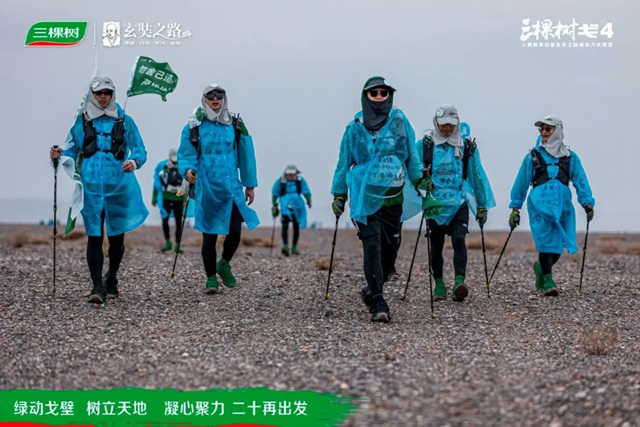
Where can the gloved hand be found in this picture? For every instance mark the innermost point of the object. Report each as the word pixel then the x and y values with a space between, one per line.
pixel 338 205
pixel 514 218
pixel 275 211
pixel 423 184
pixel 589 210
pixel 308 197
pixel 481 217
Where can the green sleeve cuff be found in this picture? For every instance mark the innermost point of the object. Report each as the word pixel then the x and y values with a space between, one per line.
pixel 154 197
pixel 344 196
pixel 308 197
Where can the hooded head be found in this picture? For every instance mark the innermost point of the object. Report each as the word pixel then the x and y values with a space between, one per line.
pixel 447 127
pixel 291 172
pixel 173 157
pixel 552 136
pixel 215 104
pixel 377 101
pixel 102 99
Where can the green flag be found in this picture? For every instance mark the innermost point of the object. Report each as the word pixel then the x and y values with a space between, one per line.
pixel 149 76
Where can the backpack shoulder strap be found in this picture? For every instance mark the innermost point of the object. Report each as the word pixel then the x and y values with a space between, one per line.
pixel 469 148
pixel 427 152
pixel 194 138
pixel 299 185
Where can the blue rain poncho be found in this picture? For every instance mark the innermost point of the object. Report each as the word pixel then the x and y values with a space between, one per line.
pixel 221 171
pixel 450 190
pixel 551 215
pixel 368 170
pixel 159 190
pixel 106 187
pixel 291 202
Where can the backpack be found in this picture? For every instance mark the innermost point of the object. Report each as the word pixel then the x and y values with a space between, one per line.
pixel 469 148
pixel 170 177
pixel 90 143
pixel 236 122
pixel 283 187
pixel 541 174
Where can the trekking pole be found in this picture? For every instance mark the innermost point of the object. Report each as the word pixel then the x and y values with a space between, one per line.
pixel 428 236
pixel 500 257
pixel 55 219
pixel 273 233
pixel 333 249
pixel 184 217
pixel 484 255
pixel 413 258
pixel 584 255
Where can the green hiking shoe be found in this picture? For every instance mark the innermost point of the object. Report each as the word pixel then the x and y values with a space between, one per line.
pixel 539 277
pixel 167 246
pixel 224 270
pixel 550 288
pixel 285 250
pixel 212 285
pixel 294 250
pixel 440 292
pixel 460 290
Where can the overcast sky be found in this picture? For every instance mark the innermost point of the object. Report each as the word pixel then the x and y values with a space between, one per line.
pixel 294 70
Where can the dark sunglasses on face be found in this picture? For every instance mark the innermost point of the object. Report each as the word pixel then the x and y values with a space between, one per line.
pixel 546 128
pixel 104 92
pixel 214 95
pixel 375 92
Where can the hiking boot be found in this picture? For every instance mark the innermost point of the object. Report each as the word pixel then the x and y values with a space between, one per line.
pixel 285 250
pixel 367 299
pixel 440 292
pixel 111 285
pixel 212 285
pixel 167 246
pixel 537 269
pixel 460 290
pixel 380 310
pixel 177 249
pixel 224 270
pixel 550 289
pixel 98 294
pixel 294 250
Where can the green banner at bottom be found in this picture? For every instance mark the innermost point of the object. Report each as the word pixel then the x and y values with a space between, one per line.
pixel 169 407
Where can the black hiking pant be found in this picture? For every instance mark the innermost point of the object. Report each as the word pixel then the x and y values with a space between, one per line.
pixel 457 229
pixel 95 256
pixel 175 207
pixel 229 247
pixel 547 260
pixel 380 245
pixel 286 219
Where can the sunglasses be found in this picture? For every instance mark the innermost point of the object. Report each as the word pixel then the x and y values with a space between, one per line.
pixel 214 95
pixel 546 128
pixel 378 92
pixel 104 92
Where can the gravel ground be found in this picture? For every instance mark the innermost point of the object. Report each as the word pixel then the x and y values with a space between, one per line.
pixel 514 359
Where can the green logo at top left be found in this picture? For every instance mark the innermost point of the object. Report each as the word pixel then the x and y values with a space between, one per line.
pixel 56 34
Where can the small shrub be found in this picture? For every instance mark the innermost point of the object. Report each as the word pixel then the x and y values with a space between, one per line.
pixel 21 239
pixel 322 264
pixel 256 242
pixel 599 340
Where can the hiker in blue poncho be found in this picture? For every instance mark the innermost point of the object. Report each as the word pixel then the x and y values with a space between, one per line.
pixel 548 168
pixel 290 188
pixel 216 153
pixel 166 182
pixel 459 183
pixel 107 143
pixel 377 160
